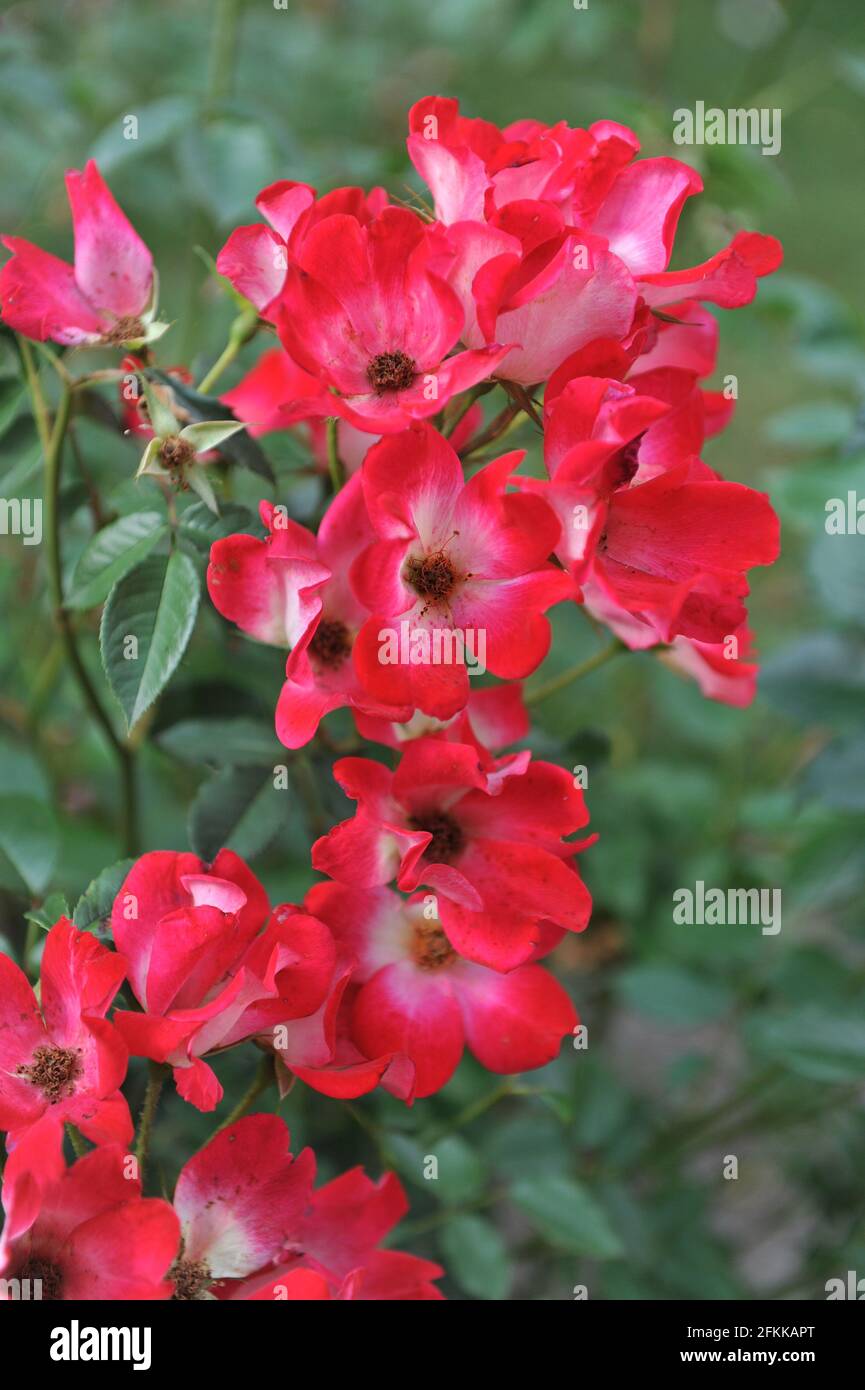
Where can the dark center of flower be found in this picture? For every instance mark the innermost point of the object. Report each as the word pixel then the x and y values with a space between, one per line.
pixel 53 1071
pixel 191 1278
pixel 431 576
pixel 447 837
pixel 625 463
pixel 125 330
pixel 331 643
pixel 50 1277
pixel 177 454
pixel 430 948
pixel 391 371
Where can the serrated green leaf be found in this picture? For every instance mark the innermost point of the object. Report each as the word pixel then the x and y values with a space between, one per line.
pixel 200 525
pixel 239 808
pixel 111 554
pixel 146 625
pixel 93 908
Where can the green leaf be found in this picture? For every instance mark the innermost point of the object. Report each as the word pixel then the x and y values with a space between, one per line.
pixel 222 742
pixel 157 123
pixel 29 838
pixel 238 808
pixel 674 994
pixel 113 552
pixel 209 434
pixel 198 524
pixel 815 425
pixel 837 565
pixel 93 909
pixel 837 775
pixel 13 399
pixel 476 1257
pixel 54 907
pixel 567 1215
pixel 461 1171
pixel 818 679
pixel 823 1046
pixel 146 625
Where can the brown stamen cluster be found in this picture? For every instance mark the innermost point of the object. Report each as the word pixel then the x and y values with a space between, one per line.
pixel 50 1277
pixel 391 371
pixel 447 837
pixel 177 454
pixel 430 948
pixel 125 330
pixel 331 643
pixel 433 577
pixel 53 1071
pixel 192 1278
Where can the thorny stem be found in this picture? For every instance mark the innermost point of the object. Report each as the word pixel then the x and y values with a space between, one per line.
pixel 156 1074
pixel 575 673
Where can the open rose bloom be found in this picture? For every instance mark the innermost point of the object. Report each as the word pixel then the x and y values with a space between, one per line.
pixel 411 605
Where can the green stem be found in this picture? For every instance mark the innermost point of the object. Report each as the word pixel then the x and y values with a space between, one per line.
pixel 574 673
pixel 40 409
pixel 472 1112
pixel 244 327
pixel 123 753
pixel 156 1074
pixel 75 1139
pixel 222 52
pixel 503 422
pixel 335 466
pixel 464 407
pixel 263 1079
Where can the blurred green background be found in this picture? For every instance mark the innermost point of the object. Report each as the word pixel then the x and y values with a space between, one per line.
pixel 606 1169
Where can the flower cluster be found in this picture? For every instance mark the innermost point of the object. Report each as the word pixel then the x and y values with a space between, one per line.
pixel 541 270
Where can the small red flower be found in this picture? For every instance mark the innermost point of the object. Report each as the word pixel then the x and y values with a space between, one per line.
pixel 204 972
pixel 94 1236
pixel 292 589
pixel 659 544
pixel 455 568
pixel 417 997
pixel 105 298
pixel 255 258
pixel 367 311
pixel 63 1063
pixel 252 1227
pixel 488 840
